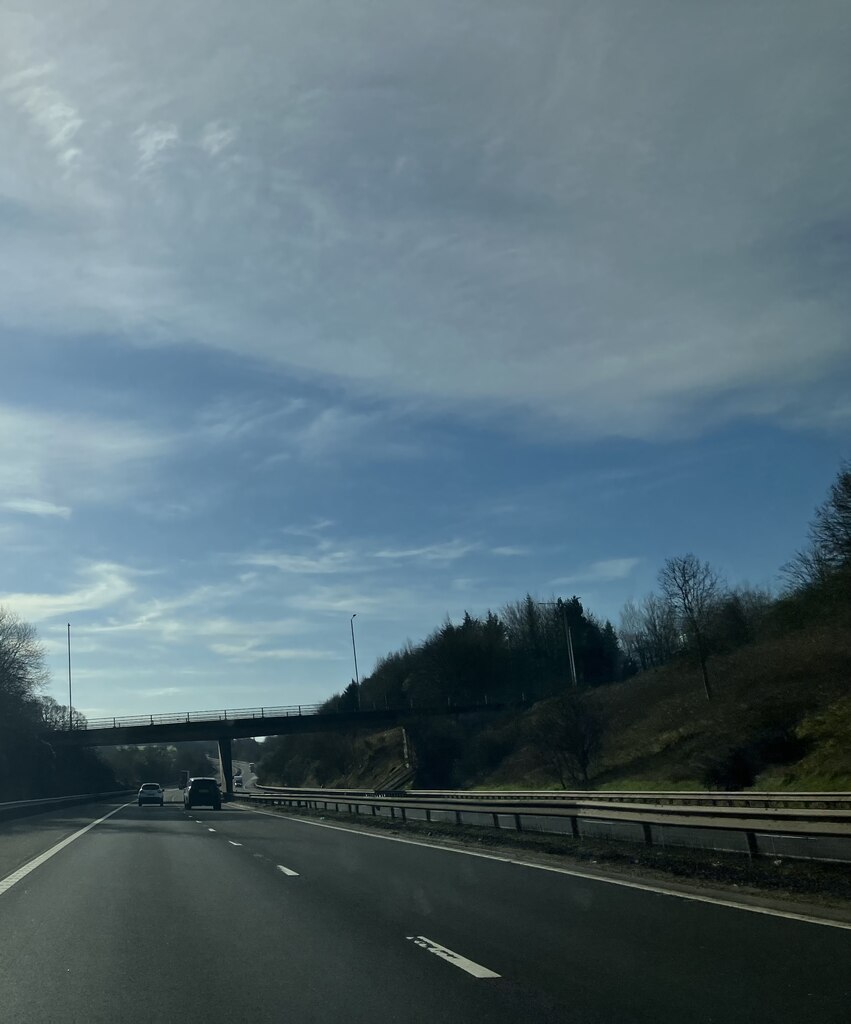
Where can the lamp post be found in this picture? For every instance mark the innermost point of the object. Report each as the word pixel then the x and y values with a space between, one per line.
pixel 70 705
pixel 355 655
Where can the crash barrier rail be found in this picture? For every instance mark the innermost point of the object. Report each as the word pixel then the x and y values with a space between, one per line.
pixel 285 711
pixel 21 808
pixel 711 798
pixel 822 833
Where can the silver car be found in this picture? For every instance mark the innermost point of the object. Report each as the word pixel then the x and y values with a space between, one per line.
pixel 151 793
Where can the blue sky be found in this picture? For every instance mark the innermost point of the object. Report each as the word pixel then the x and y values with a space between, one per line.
pixel 404 309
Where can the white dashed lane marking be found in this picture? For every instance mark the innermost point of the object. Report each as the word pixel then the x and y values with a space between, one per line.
pixel 287 871
pixel 470 966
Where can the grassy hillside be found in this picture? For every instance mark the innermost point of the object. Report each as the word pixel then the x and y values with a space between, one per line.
pixel 336 762
pixel 781 719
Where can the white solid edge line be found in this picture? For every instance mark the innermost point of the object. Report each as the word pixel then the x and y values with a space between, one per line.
pixel 470 966
pixel 24 870
pixel 287 871
pixel 643 886
pixel 233 843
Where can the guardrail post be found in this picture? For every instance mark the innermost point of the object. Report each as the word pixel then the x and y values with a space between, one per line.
pixel 152 719
pixel 574 827
pixel 299 709
pixel 517 824
pixel 457 817
pixel 113 723
pixel 648 833
pixel 753 849
pixel 404 816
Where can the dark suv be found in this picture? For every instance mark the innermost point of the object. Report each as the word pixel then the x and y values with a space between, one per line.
pixel 202 792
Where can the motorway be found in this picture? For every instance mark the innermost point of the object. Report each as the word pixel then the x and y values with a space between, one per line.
pixel 156 914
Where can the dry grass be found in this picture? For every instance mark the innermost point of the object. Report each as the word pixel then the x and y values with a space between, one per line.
pixel 661 732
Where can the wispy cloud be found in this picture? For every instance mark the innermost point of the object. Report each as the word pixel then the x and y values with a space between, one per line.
pixel 80 457
pixel 249 652
pixel 105 584
pixel 608 570
pixel 507 551
pixel 217 136
pixel 36 507
pixel 447 551
pixel 153 142
pixel 321 564
pixel 56 119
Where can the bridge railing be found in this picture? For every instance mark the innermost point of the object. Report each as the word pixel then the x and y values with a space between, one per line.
pixel 284 711
pixel 216 715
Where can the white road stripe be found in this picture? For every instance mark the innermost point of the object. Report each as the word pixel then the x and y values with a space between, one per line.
pixel 23 871
pixel 287 871
pixel 211 830
pixel 691 897
pixel 233 843
pixel 453 958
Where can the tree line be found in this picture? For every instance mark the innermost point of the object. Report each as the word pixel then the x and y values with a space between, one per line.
pixel 694 615
pixel 29 767
pixel 521 651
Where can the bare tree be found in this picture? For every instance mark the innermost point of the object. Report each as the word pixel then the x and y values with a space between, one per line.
pixel 567 736
pixel 660 628
pixel 692 588
pixel 632 635
pixel 22 670
pixel 649 631
pixel 829 551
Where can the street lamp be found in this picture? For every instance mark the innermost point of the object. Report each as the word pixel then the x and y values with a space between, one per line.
pixel 70 705
pixel 355 655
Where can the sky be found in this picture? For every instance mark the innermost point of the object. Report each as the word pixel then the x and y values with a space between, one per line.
pixel 400 310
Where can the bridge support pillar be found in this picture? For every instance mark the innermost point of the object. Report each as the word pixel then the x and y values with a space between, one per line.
pixel 226 764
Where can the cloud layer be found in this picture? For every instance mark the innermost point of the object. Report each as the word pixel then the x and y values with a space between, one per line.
pixel 643 230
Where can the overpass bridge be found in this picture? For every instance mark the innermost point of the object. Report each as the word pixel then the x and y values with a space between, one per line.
pixel 226 725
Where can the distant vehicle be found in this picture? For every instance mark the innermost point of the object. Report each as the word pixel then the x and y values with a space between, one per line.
pixel 237 782
pixel 202 792
pixel 251 767
pixel 151 793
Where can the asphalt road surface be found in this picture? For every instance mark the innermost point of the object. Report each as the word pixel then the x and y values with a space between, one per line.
pixel 156 914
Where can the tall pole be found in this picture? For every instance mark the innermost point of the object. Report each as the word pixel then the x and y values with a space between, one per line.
pixel 355 655
pixel 70 705
pixel 568 639
pixel 570 655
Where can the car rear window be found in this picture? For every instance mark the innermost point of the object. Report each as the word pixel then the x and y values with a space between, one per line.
pixel 151 785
